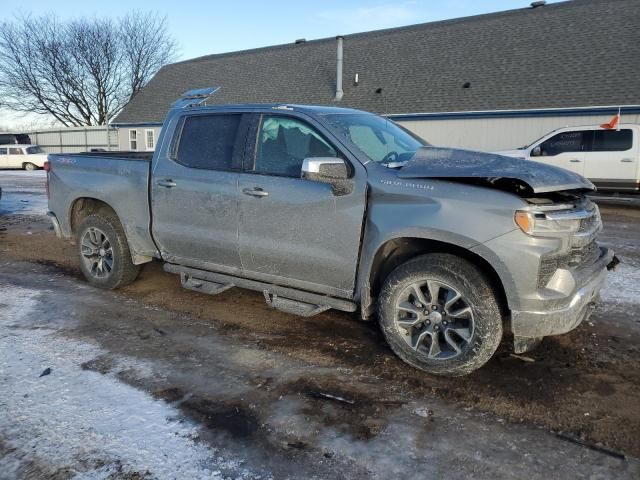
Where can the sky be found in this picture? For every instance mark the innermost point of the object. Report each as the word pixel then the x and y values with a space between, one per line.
pixel 206 27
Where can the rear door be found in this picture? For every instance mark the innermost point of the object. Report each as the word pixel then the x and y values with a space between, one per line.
pixel 612 160
pixel 564 149
pixel 295 231
pixel 194 195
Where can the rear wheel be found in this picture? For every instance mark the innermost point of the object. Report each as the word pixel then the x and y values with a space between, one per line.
pixel 439 313
pixel 105 258
pixel 29 167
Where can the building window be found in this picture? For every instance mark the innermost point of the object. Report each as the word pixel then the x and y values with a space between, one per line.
pixel 133 140
pixel 150 139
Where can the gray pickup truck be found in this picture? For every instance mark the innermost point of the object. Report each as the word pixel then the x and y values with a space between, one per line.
pixel 322 207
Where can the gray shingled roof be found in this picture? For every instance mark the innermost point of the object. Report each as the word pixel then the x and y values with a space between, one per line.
pixel 571 54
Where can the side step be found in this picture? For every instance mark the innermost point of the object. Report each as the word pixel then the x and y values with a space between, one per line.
pixel 286 299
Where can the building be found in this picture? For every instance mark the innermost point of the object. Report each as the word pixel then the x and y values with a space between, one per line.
pixel 487 82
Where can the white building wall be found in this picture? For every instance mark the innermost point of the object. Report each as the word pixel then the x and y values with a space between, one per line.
pixel 490 134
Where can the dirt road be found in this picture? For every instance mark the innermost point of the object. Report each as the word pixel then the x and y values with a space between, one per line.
pixel 251 392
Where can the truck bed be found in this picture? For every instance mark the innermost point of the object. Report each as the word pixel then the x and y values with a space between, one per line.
pixel 119 179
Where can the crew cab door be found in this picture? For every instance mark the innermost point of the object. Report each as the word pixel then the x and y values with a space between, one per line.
pixel 294 231
pixel 612 160
pixel 194 195
pixel 563 149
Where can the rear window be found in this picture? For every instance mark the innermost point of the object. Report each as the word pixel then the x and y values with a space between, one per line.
pixel 612 140
pixel 207 141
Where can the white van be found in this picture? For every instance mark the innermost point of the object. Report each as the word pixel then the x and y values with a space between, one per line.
pixel 29 157
pixel 609 158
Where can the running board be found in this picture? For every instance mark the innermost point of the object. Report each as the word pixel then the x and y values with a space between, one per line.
pixel 286 299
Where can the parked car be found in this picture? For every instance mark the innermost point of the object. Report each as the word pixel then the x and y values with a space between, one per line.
pixel 322 207
pixel 29 157
pixel 14 138
pixel 610 158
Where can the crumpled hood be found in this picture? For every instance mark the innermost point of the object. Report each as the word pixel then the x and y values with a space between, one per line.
pixel 437 162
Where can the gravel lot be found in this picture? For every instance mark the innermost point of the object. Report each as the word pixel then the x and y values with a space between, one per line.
pixel 153 381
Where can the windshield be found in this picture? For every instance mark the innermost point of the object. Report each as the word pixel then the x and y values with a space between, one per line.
pixel 378 138
pixel 31 150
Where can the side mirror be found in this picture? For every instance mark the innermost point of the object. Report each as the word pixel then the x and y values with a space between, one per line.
pixel 318 168
pixel 329 170
pixel 536 151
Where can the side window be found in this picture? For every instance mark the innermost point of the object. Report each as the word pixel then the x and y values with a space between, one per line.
pixel 3 151
pixel 207 141
pixel 612 140
pixel 563 142
pixel 150 139
pixel 15 151
pixel 283 144
pixel 133 139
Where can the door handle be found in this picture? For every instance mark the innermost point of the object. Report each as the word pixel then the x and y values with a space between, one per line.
pixel 627 160
pixel 575 160
pixel 255 192
pixel 167 183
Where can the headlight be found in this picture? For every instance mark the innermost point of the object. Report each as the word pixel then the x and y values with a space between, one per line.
pixel 545 224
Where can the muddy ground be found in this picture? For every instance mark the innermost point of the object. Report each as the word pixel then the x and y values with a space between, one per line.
pixel 260 378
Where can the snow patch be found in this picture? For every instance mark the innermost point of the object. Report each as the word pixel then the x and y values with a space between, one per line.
pixel 623 285
pixel 81 421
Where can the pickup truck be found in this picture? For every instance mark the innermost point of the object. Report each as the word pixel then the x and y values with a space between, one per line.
pixel 608 157
pixel 329 208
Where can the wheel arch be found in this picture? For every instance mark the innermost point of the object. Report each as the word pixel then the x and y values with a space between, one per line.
pixel 396 251
pixel 82 207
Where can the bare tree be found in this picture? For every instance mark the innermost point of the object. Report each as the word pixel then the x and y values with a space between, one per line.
pixel 81 72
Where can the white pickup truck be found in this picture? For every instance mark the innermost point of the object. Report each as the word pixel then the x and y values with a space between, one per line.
pixel 29 157
pixel 609 158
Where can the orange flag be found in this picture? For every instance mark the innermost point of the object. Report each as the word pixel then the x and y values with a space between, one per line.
pixel 612 124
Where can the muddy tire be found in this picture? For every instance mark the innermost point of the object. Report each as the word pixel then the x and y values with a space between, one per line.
pixel 105 258
pixel 29 167
pixel 439 313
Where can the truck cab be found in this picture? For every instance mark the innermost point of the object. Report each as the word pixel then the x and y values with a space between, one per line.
pixel 610 158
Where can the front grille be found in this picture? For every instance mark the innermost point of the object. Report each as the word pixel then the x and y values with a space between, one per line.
pixel 587 254
pixel 576 258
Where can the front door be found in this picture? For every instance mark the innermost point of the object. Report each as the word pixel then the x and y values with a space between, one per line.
pixel 564 150
pixel 292 231
pixel 612 161
pixel 194 196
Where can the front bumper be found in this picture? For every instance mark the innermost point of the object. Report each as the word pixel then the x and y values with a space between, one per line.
pixel 544 322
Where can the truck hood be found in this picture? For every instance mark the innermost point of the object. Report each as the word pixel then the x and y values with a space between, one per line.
pixel 453 163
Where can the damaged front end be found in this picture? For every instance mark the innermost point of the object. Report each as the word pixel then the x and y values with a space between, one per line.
pixel 553 256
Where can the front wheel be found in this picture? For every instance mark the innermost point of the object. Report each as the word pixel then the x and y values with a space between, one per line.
pixel 29 167
pixel 439 313
pixel 105 258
